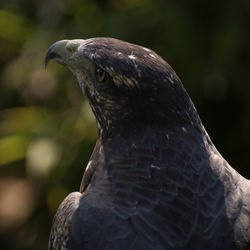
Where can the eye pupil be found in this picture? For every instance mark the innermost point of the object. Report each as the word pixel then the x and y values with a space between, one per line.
pixel 100 75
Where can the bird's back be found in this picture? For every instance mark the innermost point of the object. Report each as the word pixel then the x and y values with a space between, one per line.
pixel 169 194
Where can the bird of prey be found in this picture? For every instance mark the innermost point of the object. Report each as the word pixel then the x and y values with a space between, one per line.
pixel 155 180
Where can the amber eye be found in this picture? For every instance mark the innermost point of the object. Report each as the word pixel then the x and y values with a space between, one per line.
pixel 100 75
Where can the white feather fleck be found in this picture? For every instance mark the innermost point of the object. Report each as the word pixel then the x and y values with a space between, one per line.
pixel 155 167
pixel 171 78
pixel 132 57
pixel 146 49
pixel 184 129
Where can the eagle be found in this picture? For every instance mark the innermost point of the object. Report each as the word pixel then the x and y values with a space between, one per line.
pixel 155 180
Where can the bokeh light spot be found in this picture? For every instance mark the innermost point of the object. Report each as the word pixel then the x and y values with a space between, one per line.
pixel 42 155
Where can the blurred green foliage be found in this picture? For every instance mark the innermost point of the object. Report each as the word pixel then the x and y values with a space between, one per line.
pixel 47 131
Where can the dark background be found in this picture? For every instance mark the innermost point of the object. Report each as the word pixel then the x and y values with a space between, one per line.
pixel 47 131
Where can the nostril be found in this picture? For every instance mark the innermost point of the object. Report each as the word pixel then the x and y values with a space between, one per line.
pixel 72 45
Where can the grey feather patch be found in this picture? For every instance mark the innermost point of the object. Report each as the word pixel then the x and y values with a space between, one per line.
pixel 59 235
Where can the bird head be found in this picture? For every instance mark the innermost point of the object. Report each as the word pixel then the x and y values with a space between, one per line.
pixel 128 86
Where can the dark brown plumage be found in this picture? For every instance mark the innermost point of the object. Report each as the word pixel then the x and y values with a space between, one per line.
pixel 155 180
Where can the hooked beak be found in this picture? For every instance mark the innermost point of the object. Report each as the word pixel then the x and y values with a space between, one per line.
pixel 57 52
